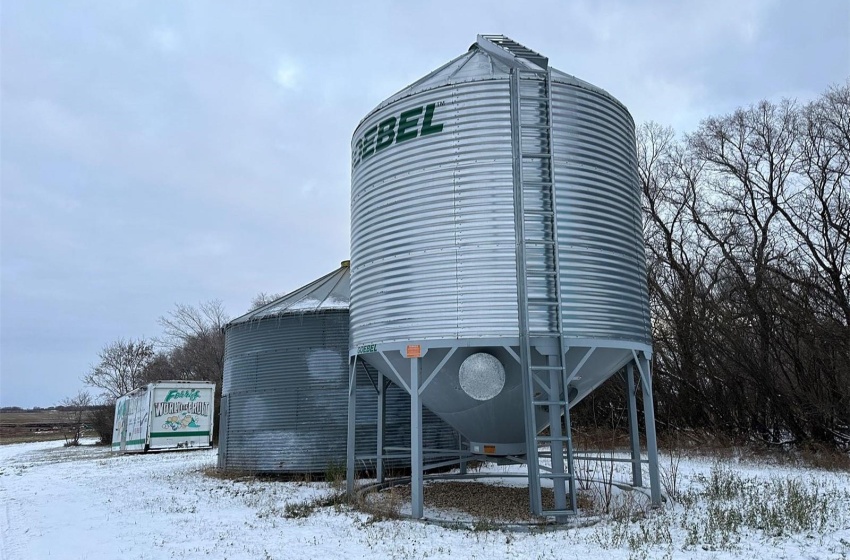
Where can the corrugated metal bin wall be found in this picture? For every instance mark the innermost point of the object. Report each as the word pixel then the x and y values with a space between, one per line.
pixel 286 392
pixel 433 235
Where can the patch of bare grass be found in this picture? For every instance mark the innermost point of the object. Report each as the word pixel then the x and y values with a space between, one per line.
pixel 485 503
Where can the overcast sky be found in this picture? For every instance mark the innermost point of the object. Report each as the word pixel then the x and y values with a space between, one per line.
pixel 164 152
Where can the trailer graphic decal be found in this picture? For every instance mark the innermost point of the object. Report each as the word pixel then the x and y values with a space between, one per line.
pixel 199 408
pixel 190 394
pixel 180 422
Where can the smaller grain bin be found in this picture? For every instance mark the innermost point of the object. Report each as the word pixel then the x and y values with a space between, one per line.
pixel 285 391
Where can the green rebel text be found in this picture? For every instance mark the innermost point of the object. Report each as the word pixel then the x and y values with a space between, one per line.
pixel 394 130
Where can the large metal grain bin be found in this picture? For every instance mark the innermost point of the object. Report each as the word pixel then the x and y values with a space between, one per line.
pixel 453 226
pixel 286 387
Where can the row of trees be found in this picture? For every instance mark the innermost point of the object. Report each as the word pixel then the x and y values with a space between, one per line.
pixel 747 228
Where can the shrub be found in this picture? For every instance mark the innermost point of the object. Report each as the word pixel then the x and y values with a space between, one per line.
pixel 101 419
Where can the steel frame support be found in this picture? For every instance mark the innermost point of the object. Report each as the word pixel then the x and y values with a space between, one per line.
pixel 634 436
pixel 352 426
pixel 416 465
pixel 649 419
pixel 382 422
pixel 463 459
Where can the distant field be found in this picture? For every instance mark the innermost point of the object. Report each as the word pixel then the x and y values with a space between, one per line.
pixel 31 417
pixel 32 425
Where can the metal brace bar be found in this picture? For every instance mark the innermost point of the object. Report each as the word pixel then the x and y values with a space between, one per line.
pixel 541 383
pixel 586 356
pixel 436 450
pixel 637 363
pixel 607 459
pixel 437 369
pixel 513 354
pixel 372 381
pixel 400 378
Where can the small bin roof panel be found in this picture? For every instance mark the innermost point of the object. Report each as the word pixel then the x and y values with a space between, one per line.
pixel 330 292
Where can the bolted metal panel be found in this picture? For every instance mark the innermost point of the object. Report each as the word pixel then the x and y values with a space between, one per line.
pixel 432 223
pixel 603 267
pixel 286 388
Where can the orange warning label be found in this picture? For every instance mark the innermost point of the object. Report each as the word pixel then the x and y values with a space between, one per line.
pixel 414 351
pixel 489 449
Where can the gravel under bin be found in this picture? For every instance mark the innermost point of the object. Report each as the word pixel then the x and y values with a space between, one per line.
pixel 482 501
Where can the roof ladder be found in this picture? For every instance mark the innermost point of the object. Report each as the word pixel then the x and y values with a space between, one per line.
pixel 512 52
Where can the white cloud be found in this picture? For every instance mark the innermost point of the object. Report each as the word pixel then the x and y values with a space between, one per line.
pixel 307 187
pixel 287 73
pixel 165 39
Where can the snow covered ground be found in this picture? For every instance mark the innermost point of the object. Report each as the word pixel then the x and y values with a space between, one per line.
pixel 85 502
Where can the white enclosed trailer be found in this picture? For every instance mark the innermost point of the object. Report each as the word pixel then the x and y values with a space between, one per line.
pixel 164 415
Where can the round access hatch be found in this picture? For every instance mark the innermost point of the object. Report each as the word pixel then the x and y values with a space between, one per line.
pixel 482 376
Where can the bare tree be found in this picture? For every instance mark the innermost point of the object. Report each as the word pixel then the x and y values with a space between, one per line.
pixel 263 298
pixel 748 249
pixel 74 411
pixel 160 368
pixel 195 339
pixel 120 368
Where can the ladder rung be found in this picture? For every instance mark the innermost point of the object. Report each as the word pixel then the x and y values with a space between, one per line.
pixel 540 273
pixel 543 301
pixel 539 212
pixel 553 438
pixel 547 368
pixel 515 48
pixel 536 126
pixel 544 242
pixel 555 475
pixel 537 156
pixel 549 403
pixel 557 512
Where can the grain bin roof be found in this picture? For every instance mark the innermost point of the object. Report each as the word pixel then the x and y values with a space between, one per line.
pixel 331 291
pixel 474 65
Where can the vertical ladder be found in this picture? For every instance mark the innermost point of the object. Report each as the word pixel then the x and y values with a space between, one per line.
pixel 539 284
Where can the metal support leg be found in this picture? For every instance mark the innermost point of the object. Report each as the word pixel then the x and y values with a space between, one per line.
pixel 463 460
pixel 634 436
pixel 416 489
pixel 352 426
pixel 382 409
pixel 651 443
pixel 559 485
